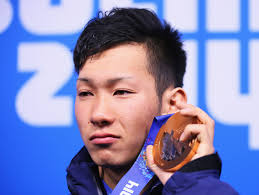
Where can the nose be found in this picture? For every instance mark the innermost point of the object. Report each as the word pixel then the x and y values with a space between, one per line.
pixel 102 113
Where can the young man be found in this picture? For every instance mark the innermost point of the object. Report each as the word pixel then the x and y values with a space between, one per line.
pixel 131 69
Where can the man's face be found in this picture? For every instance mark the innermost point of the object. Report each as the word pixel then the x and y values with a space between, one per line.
pixel 115 104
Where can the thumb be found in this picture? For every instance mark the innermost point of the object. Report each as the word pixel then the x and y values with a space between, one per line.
pixel 160 173
pixel 150 160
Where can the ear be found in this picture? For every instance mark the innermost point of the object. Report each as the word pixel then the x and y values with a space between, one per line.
pixel 170 99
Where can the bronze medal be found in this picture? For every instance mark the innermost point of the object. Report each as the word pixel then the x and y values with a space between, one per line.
pixel 169 153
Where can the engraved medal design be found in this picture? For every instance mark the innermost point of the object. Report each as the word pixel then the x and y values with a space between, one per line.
pixel 169 153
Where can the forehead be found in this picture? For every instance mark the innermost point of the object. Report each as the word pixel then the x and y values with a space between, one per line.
pixel 120 61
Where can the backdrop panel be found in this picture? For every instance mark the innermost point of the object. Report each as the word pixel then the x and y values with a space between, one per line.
pixel 39 135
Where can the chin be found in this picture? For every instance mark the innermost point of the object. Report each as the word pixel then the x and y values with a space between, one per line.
pixel 111 158
pixel 111 161
pixel 103 158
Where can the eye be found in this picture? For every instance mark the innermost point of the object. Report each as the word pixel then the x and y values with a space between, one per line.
pixel 122 92
pixel 85 93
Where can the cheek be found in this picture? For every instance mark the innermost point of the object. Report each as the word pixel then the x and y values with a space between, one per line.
pixel 81 115
pixel 78 112
pixel 140 116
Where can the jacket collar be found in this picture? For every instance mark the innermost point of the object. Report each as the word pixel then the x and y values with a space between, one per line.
pixel 82 175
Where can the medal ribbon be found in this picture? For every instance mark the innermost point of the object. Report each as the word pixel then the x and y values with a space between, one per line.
pixel 139 174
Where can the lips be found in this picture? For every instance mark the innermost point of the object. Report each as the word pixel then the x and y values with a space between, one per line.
pixel 103 138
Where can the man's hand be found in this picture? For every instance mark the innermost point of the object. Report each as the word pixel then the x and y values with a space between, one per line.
pixel 160 173
pixel 203 131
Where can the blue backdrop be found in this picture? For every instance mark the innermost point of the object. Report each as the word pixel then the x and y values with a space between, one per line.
pixel 39 135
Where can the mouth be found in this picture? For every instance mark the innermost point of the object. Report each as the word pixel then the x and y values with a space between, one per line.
pixel 103 138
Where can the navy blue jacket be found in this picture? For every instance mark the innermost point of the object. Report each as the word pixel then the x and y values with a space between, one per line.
pixel 200 177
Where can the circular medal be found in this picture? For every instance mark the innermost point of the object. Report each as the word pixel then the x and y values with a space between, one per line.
pixel 169 153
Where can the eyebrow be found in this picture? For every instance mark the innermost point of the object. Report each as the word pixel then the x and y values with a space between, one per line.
pixel 109 82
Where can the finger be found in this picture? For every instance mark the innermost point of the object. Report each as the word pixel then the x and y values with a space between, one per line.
pixel 190 110
pixel 204 131
pixel 150 159
pixel 194 130
pixel 205 120
pixel 161 174
pixel 200 114
pixel 206 142
pixel 181 105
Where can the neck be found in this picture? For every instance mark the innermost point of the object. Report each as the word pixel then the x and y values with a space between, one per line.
pixel 112 176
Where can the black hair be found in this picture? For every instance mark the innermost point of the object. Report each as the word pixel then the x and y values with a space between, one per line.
pixel 167 59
